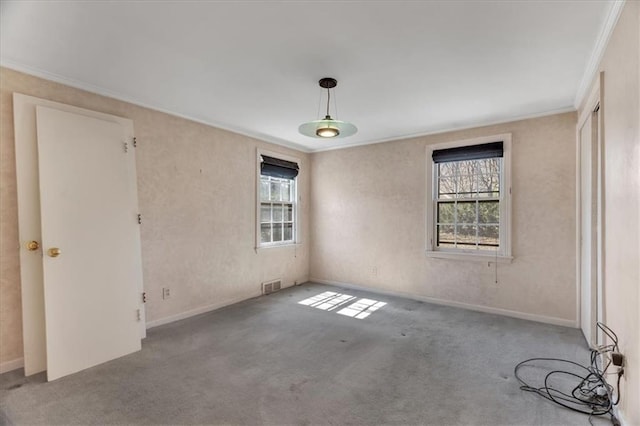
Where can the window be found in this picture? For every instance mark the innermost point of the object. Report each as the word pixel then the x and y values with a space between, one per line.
pixel 276 201
pixel 469 203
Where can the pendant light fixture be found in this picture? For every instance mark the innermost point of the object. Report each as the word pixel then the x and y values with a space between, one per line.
pixel 327 127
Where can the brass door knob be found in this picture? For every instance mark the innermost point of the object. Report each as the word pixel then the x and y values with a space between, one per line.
pixel 33 246
pixel 54 252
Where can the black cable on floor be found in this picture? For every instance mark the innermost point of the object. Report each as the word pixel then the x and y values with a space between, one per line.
pixel 591 394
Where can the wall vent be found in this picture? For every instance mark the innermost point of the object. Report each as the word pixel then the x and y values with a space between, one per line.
pixel 271 286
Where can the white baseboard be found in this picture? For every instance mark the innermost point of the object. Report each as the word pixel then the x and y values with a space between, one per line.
pixel 620 416
pixel 14 364
pixel 200 310
pixel 487 309
pixel 19 362
pixel 208 308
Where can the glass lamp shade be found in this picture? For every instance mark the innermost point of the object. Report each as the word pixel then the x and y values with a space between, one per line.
pixel 327 128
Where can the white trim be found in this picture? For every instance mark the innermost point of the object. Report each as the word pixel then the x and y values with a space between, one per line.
pixel 14 364
pixel 598 50
pixel 620 416
pixel 7 63
pixel 287 245
pixel 505 201
pixel 478 308
pixel 475 257
pixel 296 204
pixel 36 72
pixel 200 310
pixel 600 208
pixel 578 208
pixel 475 125
pixel 28 188
pixel 594 100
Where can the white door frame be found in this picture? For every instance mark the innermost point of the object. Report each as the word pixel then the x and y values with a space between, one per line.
pixel 594 103
pixel 29 227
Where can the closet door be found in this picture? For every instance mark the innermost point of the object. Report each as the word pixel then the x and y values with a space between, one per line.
pixel 90 241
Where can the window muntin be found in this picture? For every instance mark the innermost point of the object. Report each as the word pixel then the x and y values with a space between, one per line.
pixel 467 205
pixel 277 210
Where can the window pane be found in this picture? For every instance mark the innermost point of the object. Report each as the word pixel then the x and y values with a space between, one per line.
pixel 446 188
pixel 466 234
pixel 265 233
pixel 275 191
pixel 446 169
pixel 286 191
pixel 446 212
pixel 277 232
pixel 277 213
pixel 489 235
pixel 468 224
pixel 288 231
pixel 265 212
pixel 488 212
pixel 264 189
pixel 277 205
pixel 466 186
pixel 489 185
pixel 491 165
pixel 468 168
pixel 466 212
pixel 445 234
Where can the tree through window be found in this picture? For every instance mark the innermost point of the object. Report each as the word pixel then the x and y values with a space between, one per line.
pixel 276 201
pixel 468 204
pixel 470 197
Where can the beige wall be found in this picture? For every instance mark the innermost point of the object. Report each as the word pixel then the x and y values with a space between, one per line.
pixel 620 99
pixel 368 222
pixel 196 187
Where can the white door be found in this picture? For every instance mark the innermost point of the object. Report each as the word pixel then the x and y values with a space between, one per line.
pixel 588 230
pixel 91 294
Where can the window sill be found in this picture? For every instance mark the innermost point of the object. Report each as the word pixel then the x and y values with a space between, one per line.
pixel 272 246
pixel 474 257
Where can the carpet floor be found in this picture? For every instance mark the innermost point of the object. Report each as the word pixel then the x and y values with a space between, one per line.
pixel 341 357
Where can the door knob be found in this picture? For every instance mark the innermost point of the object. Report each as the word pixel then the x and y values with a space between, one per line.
pixel 54 252
pixel 33 246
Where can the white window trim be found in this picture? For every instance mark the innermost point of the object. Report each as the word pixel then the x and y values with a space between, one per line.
pixel 505 255
pixel 259 245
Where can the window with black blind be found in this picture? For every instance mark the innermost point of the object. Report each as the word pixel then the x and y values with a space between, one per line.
pixel 468 199
pixel 277 201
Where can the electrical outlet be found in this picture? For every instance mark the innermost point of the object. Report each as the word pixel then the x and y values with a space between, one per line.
pixel 166 293
pixel 617 359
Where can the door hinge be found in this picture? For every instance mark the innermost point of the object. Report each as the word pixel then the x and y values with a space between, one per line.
pixel 139 219
pixel 135 143
pixel 144 297
pixel 126 147
pixel 138 315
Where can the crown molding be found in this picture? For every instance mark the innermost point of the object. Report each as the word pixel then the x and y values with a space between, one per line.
pixel 87 87
pixel 474 125
pixel 598 51
pixel 36 72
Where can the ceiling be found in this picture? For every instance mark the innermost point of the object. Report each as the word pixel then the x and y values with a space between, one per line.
pixel 404 68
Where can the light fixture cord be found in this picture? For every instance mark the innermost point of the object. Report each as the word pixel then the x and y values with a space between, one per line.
pixel 328 99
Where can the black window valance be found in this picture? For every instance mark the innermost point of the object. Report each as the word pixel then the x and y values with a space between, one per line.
pixel 276 167
pixel 471 152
